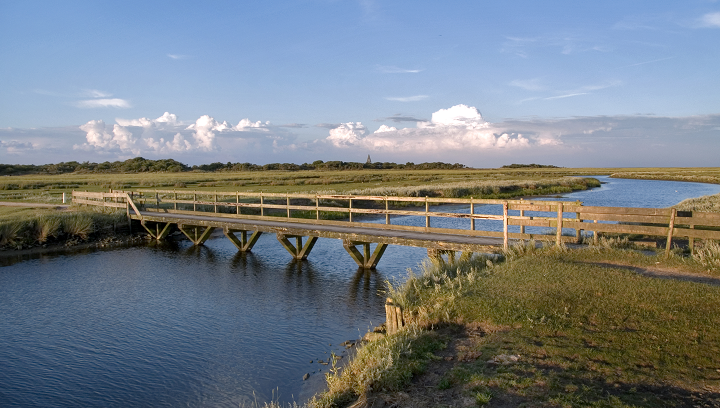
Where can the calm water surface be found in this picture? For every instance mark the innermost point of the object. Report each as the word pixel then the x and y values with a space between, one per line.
pixel 175 325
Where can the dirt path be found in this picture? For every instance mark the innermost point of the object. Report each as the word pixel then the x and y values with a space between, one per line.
pixel 663 273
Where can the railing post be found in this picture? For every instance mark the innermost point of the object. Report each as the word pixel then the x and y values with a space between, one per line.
pixel 472 212
pixel 671 227
pixel 505 226
pixel 691 242
pixel 558 234
pixel 350 209
pixel 262 209
pixel 175 203
pixel 317 207
pixel 237 201
pixel 427 213
pixel 287 197
pixel 194 200
pixel 387 212
pixel 215 202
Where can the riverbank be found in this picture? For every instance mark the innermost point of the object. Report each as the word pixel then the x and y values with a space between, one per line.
pixel 547 327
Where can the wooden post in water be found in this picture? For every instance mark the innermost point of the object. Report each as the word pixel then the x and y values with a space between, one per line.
pixel 558 234
pixel 393 317
pixel 671 227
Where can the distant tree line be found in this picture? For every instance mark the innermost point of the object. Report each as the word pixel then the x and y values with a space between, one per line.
pixel 529 166
pixel 142 165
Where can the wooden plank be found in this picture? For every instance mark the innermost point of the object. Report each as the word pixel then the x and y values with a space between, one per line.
pixel 619 210
pixel 619 228
pixel 699 218
pixel 650 219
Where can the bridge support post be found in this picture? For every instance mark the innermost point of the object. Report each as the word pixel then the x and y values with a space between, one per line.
pixel 158 234
pixel 298 251
pixel 242 244
pixel 365 260
pixel 437 254
pixel 197 239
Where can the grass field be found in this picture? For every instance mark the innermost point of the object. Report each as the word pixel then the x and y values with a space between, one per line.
pixel 547 327
pixel 48 188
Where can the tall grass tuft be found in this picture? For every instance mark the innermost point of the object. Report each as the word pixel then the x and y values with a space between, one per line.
pixel 48 225
pixel 10 232
pixel 78 224
pixel 709 254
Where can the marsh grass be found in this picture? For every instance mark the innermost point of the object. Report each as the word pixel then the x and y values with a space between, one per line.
pixel 708 203
pixel 26 227
pixel 585 334
pixel 384 365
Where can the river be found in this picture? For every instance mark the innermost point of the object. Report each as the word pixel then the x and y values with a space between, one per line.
pixel 169 324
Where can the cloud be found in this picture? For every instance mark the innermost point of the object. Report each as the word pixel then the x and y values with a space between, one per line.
pixel 294 125
pixel 14 146
pixel 647 62
pixel 168 134
pixel 177 56
pixel 529 84
pixel 398 118
pixel 104 103
pixel 328 125
pixel 407 98
pixel 94 93
pixel 710 20
pixel 385 128
pixel 459 128
pixel 565 96
pixel 396 70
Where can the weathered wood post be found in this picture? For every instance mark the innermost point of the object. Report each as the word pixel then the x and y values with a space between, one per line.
pixel 596 234
pixel 287 205
pixel 350 209
pixel 237 202
pixel 387 211
pixel 215 202
pixel 317 207
pixel 194 200
pixel 427 213
pixel 505 226
pixel 691 242
pixel 472 212
pixel 671 227
pixel 175 203
pixel 558 234
pixel 578 231
pixel 262 209
pixel 393 317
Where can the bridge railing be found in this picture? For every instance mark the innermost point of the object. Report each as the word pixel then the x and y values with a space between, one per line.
pixel 328 208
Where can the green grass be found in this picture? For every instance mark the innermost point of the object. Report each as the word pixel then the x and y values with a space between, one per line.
pixel 585 334
pixel 25 227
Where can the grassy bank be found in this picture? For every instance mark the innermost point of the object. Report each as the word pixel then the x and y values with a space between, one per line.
pixel 546 327
pixel 26 227
pixel 708 203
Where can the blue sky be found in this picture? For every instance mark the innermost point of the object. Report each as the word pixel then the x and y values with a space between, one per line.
pixel 611 83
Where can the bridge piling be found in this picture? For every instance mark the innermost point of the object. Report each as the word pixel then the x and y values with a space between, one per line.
pixel 365 260
pixel 243 244
pixel 298 251
pixel 158 234
pixel 195 238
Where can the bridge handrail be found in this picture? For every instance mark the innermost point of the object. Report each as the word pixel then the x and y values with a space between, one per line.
pixel 656 221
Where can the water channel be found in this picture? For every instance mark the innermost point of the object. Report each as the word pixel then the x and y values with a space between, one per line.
pixel 170 324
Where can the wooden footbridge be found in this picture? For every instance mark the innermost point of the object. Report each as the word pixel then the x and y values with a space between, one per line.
pixel 298 220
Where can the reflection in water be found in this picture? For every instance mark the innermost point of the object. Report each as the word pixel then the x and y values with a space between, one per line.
pixel 367 283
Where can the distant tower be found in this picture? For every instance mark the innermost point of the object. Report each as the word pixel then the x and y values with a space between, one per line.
pixel 368 160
